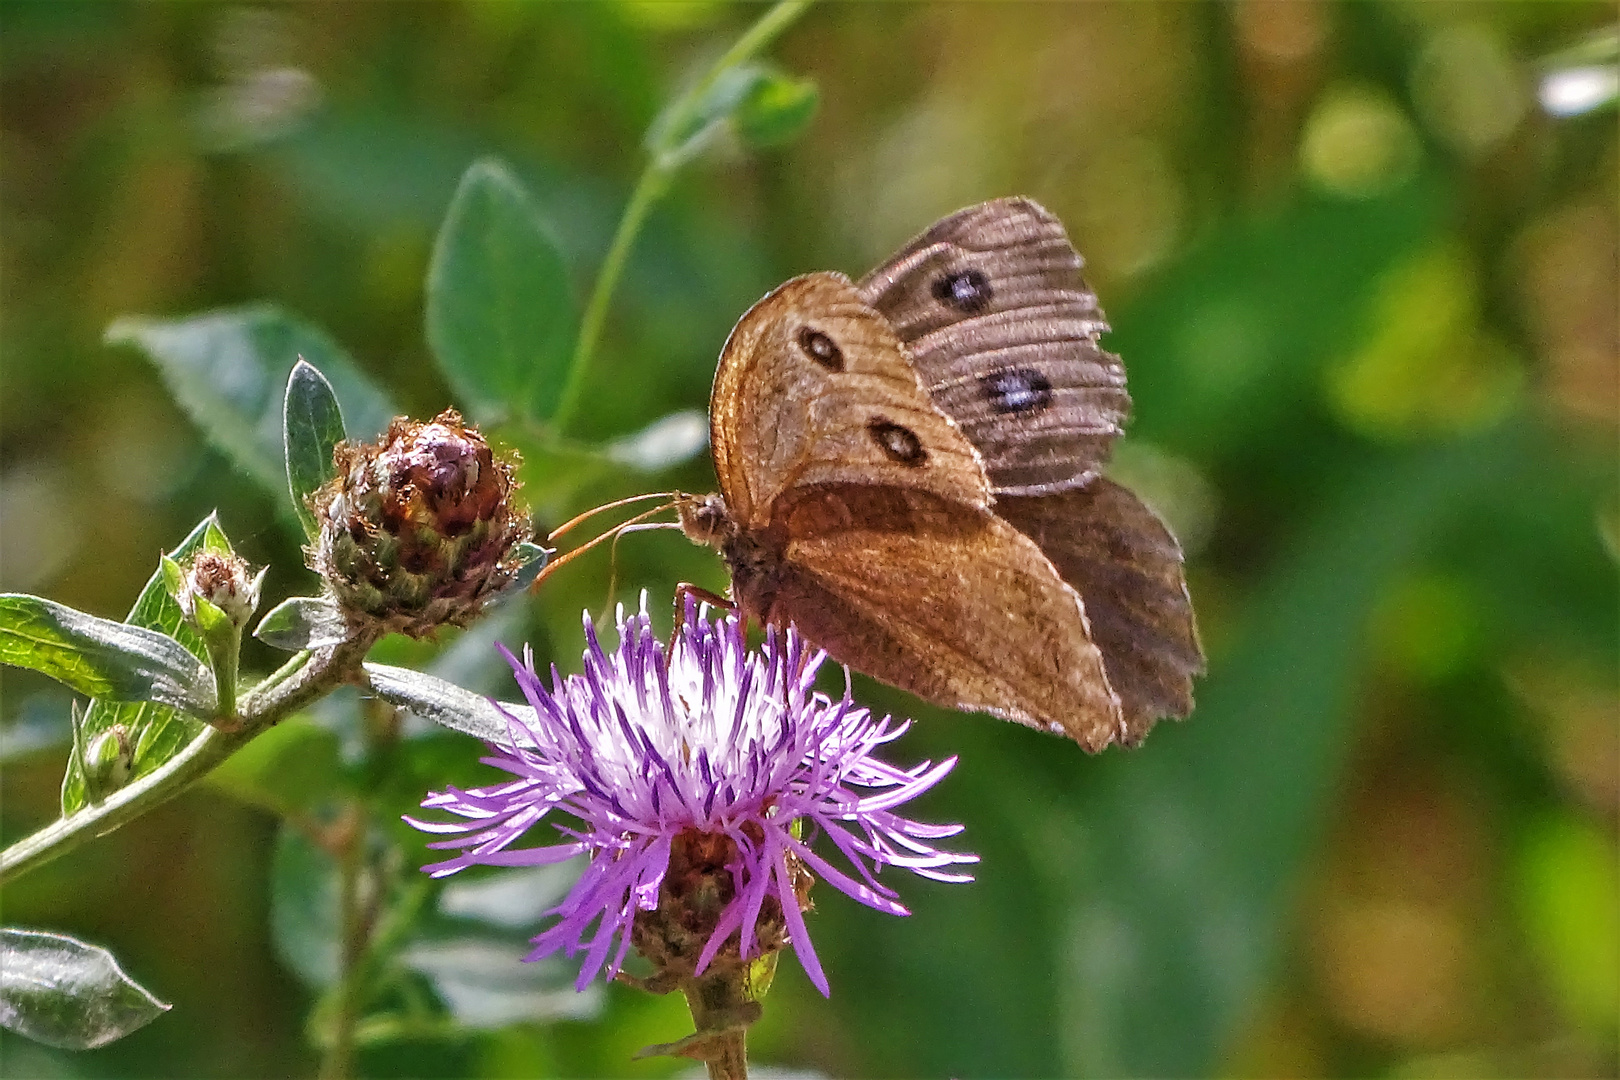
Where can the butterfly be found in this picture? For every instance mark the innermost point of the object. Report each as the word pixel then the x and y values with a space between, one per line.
pixel 910 473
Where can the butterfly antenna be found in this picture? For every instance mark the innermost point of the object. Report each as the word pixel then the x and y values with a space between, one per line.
pixel 593 511
pixel 619 534
pixel 613 566
pixel 612 533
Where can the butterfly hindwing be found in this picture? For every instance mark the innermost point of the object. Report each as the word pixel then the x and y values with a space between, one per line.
pixel 991 308
pixel 1116 553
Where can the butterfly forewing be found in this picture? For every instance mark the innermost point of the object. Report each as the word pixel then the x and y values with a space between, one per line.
pixel 813 387
pixel 991 309
pixel 944 600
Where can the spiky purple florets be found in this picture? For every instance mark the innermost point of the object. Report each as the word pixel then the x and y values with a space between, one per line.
pixel 725 745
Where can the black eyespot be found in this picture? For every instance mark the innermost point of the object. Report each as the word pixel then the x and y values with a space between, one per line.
pixel 1017 390
pixel 966 290
pixel 900 443
pixel 820 348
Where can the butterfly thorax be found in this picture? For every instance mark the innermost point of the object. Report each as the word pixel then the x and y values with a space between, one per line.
pixel 750 557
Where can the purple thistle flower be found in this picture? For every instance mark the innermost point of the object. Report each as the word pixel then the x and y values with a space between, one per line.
pixel 697 789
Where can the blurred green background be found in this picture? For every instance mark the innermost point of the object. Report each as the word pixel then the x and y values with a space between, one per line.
pixel 1364 283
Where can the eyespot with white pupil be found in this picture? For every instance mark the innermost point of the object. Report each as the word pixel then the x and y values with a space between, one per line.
pixel 966 290
pixel 900 444
pixel 1017 390
pixel 820 348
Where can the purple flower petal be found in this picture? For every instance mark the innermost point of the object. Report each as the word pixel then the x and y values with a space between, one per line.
pixel 721 740
pixel 797 934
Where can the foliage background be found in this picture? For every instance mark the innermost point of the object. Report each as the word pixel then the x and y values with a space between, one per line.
pixel 1366 292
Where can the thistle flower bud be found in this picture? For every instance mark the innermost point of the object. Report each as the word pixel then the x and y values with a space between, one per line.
pixel 218 596
pixel 418 530
pixel 108 760
pixel 221 581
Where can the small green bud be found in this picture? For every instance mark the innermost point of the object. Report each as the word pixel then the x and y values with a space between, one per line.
pixel 218 596
pixel 108 761
pixel 215 591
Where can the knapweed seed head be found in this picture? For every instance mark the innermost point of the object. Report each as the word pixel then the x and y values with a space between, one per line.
pixel 698 789
pixel 419 529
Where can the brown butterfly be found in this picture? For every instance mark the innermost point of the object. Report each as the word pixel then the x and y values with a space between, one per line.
pixel 909 473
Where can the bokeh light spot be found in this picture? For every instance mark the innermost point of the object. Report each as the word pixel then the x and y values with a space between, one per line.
pixel 1358 143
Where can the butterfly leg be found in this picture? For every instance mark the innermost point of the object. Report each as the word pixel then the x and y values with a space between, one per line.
pixel 685 591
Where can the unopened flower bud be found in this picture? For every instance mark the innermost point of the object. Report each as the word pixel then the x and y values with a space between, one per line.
pixel 222 583
pixel 108 761
pixel 218 596
pixel 418 530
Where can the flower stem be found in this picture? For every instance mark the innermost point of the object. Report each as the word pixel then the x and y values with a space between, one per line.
pixel 721 1004
pixel 662 164
pixel 224 648
pixel 648 189
pixel 259 708
pixel 338 1062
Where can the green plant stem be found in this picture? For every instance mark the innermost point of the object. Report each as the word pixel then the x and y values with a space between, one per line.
pixel 654 180
pixel 224 653
pixel 311 676
pixel 365 941
pixel 338 1061
pixel 717 1001
pixel 293 666
pixel 662 164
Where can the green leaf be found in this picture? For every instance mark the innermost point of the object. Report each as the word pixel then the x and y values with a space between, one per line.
pixel 532 559
pixel 442 702
pixel 158 731
pixel 174 578
pixel 776 109
pixel 484 984
pixel 679 133
pixel 516 899
pixel 290 769
pixel 764 104
pixel 303 622
pixel 100 657
pixel 469 950
pixel 227 369
pixel 500 313
pixel 61 992
pixel 304 908
pixel 312 425
pixel 210 618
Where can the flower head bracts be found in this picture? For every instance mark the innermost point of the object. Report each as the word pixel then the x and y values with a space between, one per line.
pixel 726 755
pixel 420 529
